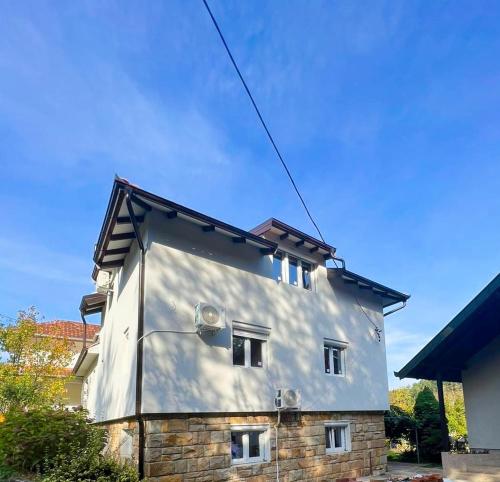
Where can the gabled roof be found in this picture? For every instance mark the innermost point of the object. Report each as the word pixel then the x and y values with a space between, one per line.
pixel 388 295
pixel 117 233
pixel 471 330
pixel 66 329
pixel 301 240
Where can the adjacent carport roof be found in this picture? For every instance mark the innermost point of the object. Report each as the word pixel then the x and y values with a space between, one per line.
pixel 471 330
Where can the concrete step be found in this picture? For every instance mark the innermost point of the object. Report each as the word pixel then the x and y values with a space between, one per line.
pixel 475 477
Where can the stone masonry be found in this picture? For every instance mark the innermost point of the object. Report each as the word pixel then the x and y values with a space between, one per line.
pixel 198 448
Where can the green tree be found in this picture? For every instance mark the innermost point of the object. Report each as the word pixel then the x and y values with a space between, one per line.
pixel 399 425
pixel 426 412
pixel 405 398
pixel 34 370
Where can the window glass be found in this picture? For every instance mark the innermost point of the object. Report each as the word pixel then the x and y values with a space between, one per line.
pixel 337 365
pixel 255 352
pixel 238 350
pixel 326 351
pixel 248 445
pixel 237 445
pixel 337 438
pixel 306 275
pixel 333 357
pixel 277 266
pixel 254 444
pixel 292 271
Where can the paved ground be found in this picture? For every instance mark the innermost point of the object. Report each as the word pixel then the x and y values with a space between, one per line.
pixel 404 469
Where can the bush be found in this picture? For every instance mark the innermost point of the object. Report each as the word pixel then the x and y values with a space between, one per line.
pixel 29 439
pixel 89 467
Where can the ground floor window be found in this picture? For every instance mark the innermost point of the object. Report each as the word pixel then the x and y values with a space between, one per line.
pixel 338 437
pixel 249 444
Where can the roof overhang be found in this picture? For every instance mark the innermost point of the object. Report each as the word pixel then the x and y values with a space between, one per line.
pixel 86 359
pixel 301 240
pixel 117 232
pixel 388 295
pixel 447 354
pixel 93 303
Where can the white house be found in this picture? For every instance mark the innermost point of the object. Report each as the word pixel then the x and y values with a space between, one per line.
pixel 467 350
pixel 77 336
pixel 193 404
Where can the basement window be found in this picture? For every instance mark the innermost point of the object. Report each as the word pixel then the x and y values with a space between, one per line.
pixel 249 444
pixel 249 345
pixel 337 437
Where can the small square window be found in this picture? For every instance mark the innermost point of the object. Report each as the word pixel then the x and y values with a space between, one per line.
pixel 249 444
pixel 334 359
pixel 337 437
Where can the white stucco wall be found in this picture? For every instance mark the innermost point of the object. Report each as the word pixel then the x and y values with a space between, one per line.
pixel 111 382
pixel 481 385
pixel 187 373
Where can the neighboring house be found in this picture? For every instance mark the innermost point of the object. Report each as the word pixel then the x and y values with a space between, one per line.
pixel 467 350
pixel 74 332
pixel 190 405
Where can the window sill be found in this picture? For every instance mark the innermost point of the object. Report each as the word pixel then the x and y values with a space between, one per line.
pixel 336 451
pixel 335 375
pixel 246 463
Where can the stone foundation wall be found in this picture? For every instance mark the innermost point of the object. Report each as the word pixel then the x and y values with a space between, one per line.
pixel 198 448
pixel 117 433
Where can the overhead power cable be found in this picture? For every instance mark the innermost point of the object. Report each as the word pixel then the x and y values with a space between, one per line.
pixel 271 139
pixel 235 65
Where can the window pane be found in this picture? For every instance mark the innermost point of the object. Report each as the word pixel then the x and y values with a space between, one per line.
pixel 326 351
pixel 253 444
pixel 292 271
pixel 236 445
pixel 256 352
pixel 306 275
pixel 338 436
pixel 277 266
pixel 328 432
pixel 337 366
pixel 238 350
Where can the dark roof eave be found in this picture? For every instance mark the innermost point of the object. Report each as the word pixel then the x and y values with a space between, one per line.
pixel 410 370
pixel 384 291
pixel 115 204
pixel 276 223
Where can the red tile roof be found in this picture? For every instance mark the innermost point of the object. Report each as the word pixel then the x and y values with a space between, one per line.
pixel 67 329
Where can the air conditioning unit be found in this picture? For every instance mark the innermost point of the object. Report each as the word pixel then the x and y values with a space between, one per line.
pixel 103 282
pixel 287 399
pixel 209 318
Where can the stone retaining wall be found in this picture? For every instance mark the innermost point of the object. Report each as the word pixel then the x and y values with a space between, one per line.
pixel 198 448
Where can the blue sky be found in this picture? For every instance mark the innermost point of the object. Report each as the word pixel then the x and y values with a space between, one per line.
pixel 387 112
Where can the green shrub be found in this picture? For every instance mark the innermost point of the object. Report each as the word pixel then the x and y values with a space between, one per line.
pixel 89 466
pixel 28 440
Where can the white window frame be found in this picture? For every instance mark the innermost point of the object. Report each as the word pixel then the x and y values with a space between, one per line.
pixel 256 332
pixel 285 270
pixel 342 347
pixel 345 436
pixel 264 444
